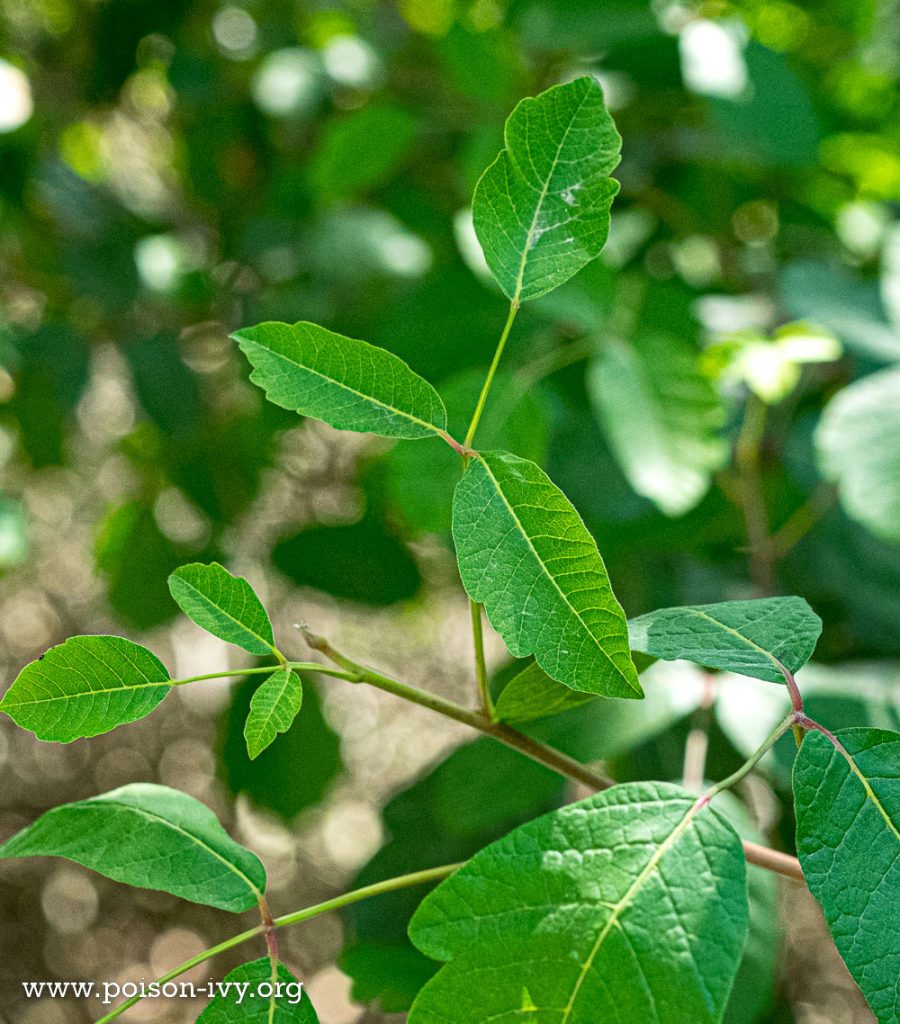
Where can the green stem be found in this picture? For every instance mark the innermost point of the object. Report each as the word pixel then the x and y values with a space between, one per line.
pixel 298 666
pixel 489 380
pixel 559 762
pixel 481 675
pixel 753 504
pixel 336 903
pixel 753 761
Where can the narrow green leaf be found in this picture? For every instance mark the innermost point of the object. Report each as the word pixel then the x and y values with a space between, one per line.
pixel 848 842
pixel 661 416
pixel 753 638
pixel 223 605
pixel 85 686
pixel 152 837
pixel 533 694
pixel 525 554
pixel 251 997
pixel 858 446
pixel 629 906
pixel 273 708
pixel 541 210
pixel 350 384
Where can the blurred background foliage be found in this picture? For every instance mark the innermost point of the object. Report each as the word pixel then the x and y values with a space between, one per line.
pixel 718 394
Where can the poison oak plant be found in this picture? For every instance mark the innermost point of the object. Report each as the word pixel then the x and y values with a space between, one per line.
pixel 631 905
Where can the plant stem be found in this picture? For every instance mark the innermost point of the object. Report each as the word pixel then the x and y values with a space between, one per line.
pixel 299 666
pixel 753 505
pixel 789 535
pixel 752 762
pixel 554 759
pixel 336 903
pixel 557 761
pixel 697 744
pixel 489 380
pixel 481 676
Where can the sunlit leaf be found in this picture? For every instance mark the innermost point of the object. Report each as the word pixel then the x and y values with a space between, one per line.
pixel 223 605
pixel 86 686
pixel 525 554
pixel 239 1000
pixel 848 842
pixel 350 384
pixel 152 837
pixel 630 905
pixel 273 708
pixel 541 210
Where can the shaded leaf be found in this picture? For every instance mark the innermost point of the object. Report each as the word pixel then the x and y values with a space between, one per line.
pixel 661 416
pixel 858 446
pixel 541 210
pixel 848 842
pixel 525 554
pixel 362 561
pixel 469 799
pixel 533 694
pixel 273 708
pixel 753 638
pixel 224 605
pixel 361 150
pixel 136 558
pixel 86 686
pixel 515 420
pixel 291 774
pixel 350 384
pixel 242 1003
pixel 630 904
pixel 152 837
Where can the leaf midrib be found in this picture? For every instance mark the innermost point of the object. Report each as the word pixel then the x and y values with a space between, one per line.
pixel 551 577
pixel 871 795
pixel 619 908
pixel 734 632
pixel 520 277
pixel 242 625
pixel 182 831
pixel 346 387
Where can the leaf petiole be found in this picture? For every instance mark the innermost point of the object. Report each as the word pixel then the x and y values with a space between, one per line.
pixel 336 903
pixel 751 763
pixel 492 371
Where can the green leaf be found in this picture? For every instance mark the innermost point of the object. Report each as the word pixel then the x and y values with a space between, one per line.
pixel 152 837
pixel 630 905
pixel 754 986
pixel 525 554
pixel 533 694
pixel 541 210
pixel 858 447
pixel 242 1002
pixel 361 150
pixel 364 561
pixel 85 686
pixel 848 842
pixel 473 797
pixel 661 416
pixel 223 605
pixel 350 384
pixel 273 708
pixel 294 772
pixel 754 638
pixel 514 419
